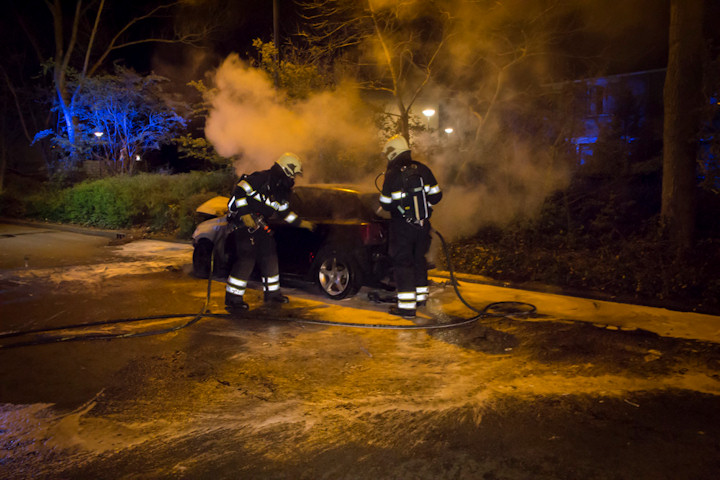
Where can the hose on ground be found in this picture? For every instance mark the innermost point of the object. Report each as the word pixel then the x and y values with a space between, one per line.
pixel 495 309
pixel 524 308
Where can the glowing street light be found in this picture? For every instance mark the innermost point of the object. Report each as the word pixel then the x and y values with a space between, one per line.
pixel 449 130
pixel 428 112
pixel 98 134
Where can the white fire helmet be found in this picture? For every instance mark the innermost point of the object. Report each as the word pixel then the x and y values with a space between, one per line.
pixel 290 164
pixel 395 146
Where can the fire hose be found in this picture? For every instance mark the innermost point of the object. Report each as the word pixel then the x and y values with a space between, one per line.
pixel 495 309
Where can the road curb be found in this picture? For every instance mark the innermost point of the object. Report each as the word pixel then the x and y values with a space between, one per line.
pixel 122 235
pixel 589 294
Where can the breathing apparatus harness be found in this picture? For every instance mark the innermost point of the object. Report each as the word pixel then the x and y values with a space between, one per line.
pixel 413 205
pixel 492 310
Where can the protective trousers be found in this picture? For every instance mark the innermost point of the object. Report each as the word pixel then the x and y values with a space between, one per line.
pixel 409 243
pixel 259 247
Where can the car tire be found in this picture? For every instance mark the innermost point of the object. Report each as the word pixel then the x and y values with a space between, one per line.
pixel 337 275
pixel 201 258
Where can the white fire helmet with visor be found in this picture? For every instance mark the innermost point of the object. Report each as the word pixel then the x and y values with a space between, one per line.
pixel 290 164
pixel 395 146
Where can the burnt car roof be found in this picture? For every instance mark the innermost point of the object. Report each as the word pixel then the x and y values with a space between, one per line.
pixel 335 202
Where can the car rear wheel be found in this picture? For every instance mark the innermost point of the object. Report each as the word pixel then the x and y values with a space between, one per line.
pixel 201 258
pixel 337 275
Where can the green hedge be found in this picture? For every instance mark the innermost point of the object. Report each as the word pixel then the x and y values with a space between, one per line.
pixel 161 203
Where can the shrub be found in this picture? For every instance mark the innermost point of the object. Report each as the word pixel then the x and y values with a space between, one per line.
pixel 630 263
pixel 11 205
pixel 160 203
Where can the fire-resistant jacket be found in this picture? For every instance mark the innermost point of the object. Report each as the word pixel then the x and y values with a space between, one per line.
pixel 392 189
pixel 254 194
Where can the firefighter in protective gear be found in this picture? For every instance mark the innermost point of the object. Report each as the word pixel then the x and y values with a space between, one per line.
pixel 255 199
pixel 408 193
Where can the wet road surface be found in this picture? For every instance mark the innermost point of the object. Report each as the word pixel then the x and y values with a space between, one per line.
pixel 266 396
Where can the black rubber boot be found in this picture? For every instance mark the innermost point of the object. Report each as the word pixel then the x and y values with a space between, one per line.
pixel 235 303
pixel 276 297
pixel 402 312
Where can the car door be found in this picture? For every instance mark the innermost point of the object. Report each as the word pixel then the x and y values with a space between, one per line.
pixel 297 247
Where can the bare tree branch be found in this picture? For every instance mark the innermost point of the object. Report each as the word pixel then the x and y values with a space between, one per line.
pixel 17 106
pixel 92 37
pixel 114 45
pixel 31 37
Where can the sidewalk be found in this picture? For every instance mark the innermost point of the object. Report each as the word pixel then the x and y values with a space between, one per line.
pixel 614 315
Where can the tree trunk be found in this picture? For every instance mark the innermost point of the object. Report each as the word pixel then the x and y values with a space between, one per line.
pixel 67 115
pixel 60 69
pixel 683 100
pixel 404 121
pixel 3 150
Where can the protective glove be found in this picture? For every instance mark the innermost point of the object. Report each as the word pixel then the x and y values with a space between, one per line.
pixel 307 225
pixel 249 221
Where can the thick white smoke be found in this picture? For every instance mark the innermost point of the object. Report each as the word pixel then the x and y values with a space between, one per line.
pixel 255 123
pixel 490 173
pixel 510 188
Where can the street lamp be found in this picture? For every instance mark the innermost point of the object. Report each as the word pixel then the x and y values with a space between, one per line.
pixel 98 134
pixel 449 130
pixel 428 112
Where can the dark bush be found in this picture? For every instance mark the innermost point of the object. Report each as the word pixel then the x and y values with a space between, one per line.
pixel 596 249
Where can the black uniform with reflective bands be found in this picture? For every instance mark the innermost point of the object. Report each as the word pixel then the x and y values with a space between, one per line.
pixel 261 194
pixel 408 193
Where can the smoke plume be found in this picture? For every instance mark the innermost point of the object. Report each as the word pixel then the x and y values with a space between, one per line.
pixel 255 123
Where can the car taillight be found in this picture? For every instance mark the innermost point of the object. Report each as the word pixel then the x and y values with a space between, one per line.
pixel 372 234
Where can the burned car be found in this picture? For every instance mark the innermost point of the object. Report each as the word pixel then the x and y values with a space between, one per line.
pixel 347 250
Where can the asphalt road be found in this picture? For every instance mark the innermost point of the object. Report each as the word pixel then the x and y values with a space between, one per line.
pixel 26 246
pixel 268 396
